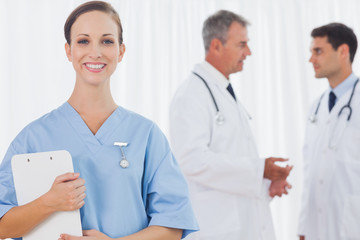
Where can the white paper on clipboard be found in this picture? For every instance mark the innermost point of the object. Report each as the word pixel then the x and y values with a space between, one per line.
pixel 34 175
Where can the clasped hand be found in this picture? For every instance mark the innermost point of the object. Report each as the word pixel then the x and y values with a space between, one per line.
pixel 88 235
pixel 277 175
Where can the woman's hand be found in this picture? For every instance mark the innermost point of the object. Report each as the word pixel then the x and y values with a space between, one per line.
pixel 88 235
pixel 149 233
pixel 66 194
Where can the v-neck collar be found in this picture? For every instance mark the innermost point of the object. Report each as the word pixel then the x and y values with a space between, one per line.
pixel 79 125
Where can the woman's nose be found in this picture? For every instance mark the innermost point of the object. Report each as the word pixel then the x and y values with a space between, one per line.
pixel 95 52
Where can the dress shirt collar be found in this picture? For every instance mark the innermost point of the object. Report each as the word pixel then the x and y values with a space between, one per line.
pixel 343 87
pixel 218 76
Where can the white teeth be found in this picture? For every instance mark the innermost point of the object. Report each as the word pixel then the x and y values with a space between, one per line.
pixel 95 66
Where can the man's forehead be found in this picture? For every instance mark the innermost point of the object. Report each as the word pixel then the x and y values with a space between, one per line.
pixel 319 42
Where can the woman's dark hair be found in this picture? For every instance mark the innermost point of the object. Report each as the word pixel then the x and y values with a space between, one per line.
pixel 89 7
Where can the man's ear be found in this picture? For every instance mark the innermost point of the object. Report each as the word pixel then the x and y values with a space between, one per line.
pixel 344 51
pixel 216 45
pixel 121 52
pixel 68 52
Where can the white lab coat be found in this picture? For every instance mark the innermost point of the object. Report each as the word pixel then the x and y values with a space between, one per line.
pixel 331 197
pixel 221 163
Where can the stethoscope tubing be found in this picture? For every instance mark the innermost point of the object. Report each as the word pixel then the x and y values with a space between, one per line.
pixel 219 117
pixel 349 102
pixel 314 117
pixel 207 86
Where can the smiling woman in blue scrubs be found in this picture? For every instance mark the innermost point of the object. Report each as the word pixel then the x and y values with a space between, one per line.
pixel 127 183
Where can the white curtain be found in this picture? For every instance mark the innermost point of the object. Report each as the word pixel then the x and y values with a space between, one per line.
pixel 163 42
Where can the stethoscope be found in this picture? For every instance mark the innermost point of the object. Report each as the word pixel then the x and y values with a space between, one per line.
pixel 124 163
pixel 313 118
pixel 219 118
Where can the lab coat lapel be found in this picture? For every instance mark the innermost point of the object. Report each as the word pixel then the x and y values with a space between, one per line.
pixel 338 105
pixel 323 115
pixel 223 91
pixel 229 97
pixel 243 115
pixel 213 82
pixel 226 99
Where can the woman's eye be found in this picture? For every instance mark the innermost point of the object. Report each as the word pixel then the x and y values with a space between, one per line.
pixel 108 41
pixel 83 41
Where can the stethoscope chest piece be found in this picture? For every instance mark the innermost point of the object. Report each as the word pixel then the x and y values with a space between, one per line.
pixel 219 119
pixel 313 119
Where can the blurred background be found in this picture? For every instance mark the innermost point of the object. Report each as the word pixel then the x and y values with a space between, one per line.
pixel 163 42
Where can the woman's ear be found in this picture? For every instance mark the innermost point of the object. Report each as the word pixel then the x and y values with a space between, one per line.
pixel 121 52
pixel 68 51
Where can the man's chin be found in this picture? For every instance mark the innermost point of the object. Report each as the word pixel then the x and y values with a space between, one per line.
pixel 319 76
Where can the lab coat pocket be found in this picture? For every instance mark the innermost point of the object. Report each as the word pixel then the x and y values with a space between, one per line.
pixel 216 213
pixel 351 218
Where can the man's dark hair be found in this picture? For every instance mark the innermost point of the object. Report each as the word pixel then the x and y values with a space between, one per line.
pixel 337 34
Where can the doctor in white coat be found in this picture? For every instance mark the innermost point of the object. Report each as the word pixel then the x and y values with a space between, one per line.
pixel 331 196
pixel 212 140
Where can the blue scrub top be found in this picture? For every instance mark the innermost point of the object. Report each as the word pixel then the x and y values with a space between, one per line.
pixel 119 201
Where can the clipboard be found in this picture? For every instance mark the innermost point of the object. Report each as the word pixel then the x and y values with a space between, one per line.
pixel 34 174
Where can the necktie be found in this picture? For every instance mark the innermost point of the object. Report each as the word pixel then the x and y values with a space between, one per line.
pixel 332 98
pixel 231 91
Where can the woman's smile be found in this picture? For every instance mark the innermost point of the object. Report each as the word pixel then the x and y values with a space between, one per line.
pixel 95 67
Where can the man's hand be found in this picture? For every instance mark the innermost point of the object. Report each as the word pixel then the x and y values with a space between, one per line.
pixel 278 188
pixel 274 172
pixel 302 238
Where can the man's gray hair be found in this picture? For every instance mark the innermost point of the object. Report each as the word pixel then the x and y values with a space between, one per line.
pixel 217 26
